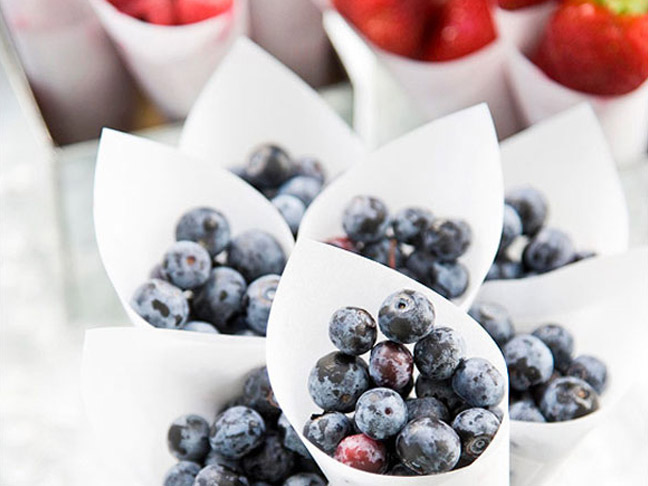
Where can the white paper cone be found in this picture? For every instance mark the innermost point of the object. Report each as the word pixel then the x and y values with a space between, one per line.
pixel 438 166
pixel 141 190
pixel 253 99
pixel 318 280
pixel 624 118
pixel 440 88
pixel 568 160
pixel 173 63
pixel 602 302
pixel 135 382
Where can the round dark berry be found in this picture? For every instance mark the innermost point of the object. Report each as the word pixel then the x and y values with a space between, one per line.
pixel 441 390
pixel 529 361
pixel 406 316
pixel 327 431
pixel 428 446
pixel 511 229
pixel 548 250
pixel 439 353
pixel 257 302
pixel 186 264
pixel 525 411
pixel 476 428
pixel 205 226
pixel 188 438
pixel 365 219
pixel 217 459
pixel 258 394
pixel 220 299
pixel 391 365
pixel 362 452
pixel 380 413
pixel 311 167
pixel 161 304
pixel 200 326
pixel 505 269
pixel 531 207
pixel 290 439
pixel 590 369
pixel 429 407
pixel 559 341
pixel 302 187
pixel 337 381
pixel 255 253
pixel 449 279
pixel 495 319
pixel 385 251
pixel 447 239
pixel 269 166
pixel 478 382
pixel 291 208
pixel 400 469
pixel 218 475
pixel 270 462
pixel 182 474
pixel 352 330
pixel 237 431
pixel 568 398
pixel 410 224
pixel 421 264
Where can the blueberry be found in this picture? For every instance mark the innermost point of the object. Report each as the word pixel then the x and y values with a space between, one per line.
pixel 216 475
pixel 255 253
pixel 291 208
pixel 391 365
pixel 161 304
pixel 385 251
pixel 400 469
pixel 421 264
pixel 215 458
pixel 447 239
pixel 188 438
pixel 305 479
pixel 200 326
pixel 478 382
pixel 498 412
pixel 537 391
pixel 258 394
pixel 525 411
pixel 257 302
pixel 362 452
pixel 476 428
pixel 352 330
pixel 302 187
pixel 560 341
pixel 548 250
pixel 410 224
pixel 269 166
pixel 590 369
pixel 426 407
pixel 449 279
pixel 530 205
pixel 205 226
pixel 568 398
pixel 337 381
pixel 270 462
pixel 365 219
pixel 441 390
pixel 380 413
pixel 439 353
pixel 406 316
pixel 237 431
pixel 182 474
pixel 311 167
pixel 529 361
pixel 505 269
pixel 219 300
pixel 428 446
pixel 495 319
pixel 290 439
pixel 186 264
pixel 326 431
pixel 511 228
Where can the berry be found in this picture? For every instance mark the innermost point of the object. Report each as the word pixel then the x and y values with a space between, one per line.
pixel 255 253
pixel 257 302
pixel 290 439
pixel 186 264
pixel 568 398
pixel 215 458
pixel 426 407
pixel 352 330
pixel 182 474
pixel 327 431
pixel 439 353
pixel 205 226
pixel 406 316
pixel 385 251
pixel 548 250
pixel 237 431
pixel 478 382
pixel 380 413
pixel 305 479
pixel 449 280
pixel 529 361
pixel 362 452
pixel 270 462
pixel 525 411
pixel 441 390
pixel 516 4
pixel 258 394
pixel 447 239
pixel 161 304
pixel 302 187
pixel 511 228
pixel 495 319
pixel 391 365
pixel 269 166
pixel 365 219
pixel 190 11
pixel 337 381
pixel 476 428
pixel 200 326
pixel 343 243
pixel 220 476
pixel 531 207
pixel 560 341
pixel 410 224
pixel 590 369
pixel 428 446
pixel 219 300
pixel 188 438
pixel 291 208
pixel 311 167
pixel 505 269
pixel 421 264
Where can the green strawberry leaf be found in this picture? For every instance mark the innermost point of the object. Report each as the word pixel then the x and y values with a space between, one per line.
pixel 626 7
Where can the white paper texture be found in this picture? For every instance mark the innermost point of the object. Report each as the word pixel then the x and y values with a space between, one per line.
pixel 253 99
pixel 135 382
pixel 568 160
pixel 451 166
pixel 141 190
pixel 602 302
pixel 318 280
pixel 172 63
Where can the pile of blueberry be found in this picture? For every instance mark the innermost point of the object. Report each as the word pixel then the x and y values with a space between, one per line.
pixel 291 184
pixel 527 246
pixel 250 443
pixel 451 422
pixel 547 384
pixel 211 282
pixel 412 241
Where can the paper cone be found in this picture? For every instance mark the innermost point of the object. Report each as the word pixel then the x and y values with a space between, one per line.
pixel 135 382
pixel 141 190
pixel 567 158
pixel 172 63
pixel 318 280
pixel 602 302
pixel 253 99
pixel 434 167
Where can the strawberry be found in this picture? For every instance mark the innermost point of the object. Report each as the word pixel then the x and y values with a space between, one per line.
pixel 461 28
pixel 595 48
pixel 516 4
pixel 159 12
pixel 190 11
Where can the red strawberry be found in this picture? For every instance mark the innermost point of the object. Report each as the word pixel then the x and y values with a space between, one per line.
pixel 159 12
pixel 462 27
pixel 516 4
pixel 590 48
pixel 190 11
